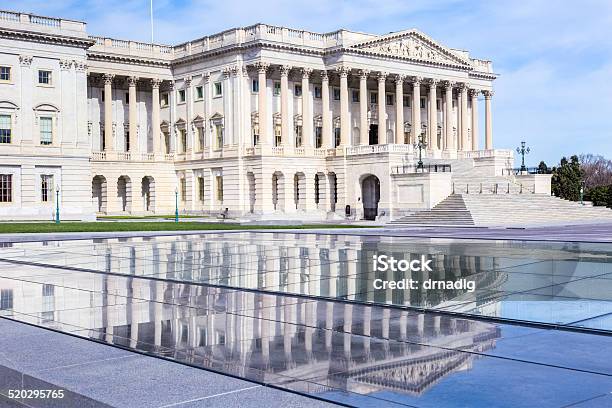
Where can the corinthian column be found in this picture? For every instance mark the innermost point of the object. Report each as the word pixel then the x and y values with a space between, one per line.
pixel 108 112
pixel 326 142
pixel 448 116
pixel 286 139
pixel 382 108
pixel 464 117
pixel 132 114
pixel 433 114
pixel 307 134
pixel 364 134
pixel 488 125
pixel 155 115
pixel 399 109
pixel 474 96
pixel 345 130
pixel 416 108
pixel 264 135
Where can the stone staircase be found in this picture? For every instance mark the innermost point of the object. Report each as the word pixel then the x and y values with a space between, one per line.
pixel 506 210
pixel 450 211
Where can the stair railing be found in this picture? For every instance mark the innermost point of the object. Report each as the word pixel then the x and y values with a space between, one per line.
pixel 508 191
pixel 453 187
pixel 521 190
pixel 480 188
pixel 495 189
pixel 467 188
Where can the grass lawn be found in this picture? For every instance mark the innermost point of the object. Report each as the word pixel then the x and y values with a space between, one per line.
pixel 144 217
pixel 24 227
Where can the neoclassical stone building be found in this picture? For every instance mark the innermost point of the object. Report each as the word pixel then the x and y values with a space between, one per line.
pixel 266 121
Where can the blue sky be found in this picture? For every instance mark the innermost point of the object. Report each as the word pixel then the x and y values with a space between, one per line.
pixel 554 58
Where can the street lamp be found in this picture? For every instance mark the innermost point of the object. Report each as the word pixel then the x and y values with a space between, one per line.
pixel 421 144
pixel 523 151
pixel 57 218
pixel 582 192
pixel 176 217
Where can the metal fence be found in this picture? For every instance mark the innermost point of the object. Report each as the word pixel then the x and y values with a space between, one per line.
pixel 425 168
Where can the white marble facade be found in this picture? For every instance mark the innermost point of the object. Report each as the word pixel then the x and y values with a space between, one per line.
pixel 265 121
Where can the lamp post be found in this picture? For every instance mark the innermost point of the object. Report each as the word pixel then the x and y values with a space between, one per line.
pixel 421 144
pixel 176 215
pixel 57 217
pixel 523 151
pixel 582 192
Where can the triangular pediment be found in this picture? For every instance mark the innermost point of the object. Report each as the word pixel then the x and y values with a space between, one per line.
pixel 414 45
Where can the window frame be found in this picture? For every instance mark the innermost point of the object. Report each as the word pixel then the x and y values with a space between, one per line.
pixel 201 189
pixel 181 96
pixel 46 188
pixel 49 82
pixel 276 88
pixel 219 188
pixel 218 89
pixel 318 92
pixel 389 99
pixel 50 121
pixel 297 90
pixel 10 129
pixel 336 92
pixel 355 96
pixel 6 192
pixel 199 93
pixel 10 72
pixel 255 85
pixel 373 98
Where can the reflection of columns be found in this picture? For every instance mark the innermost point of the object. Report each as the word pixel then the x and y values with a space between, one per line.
pixel 108 112
pixel 286 139
pixel 189 112
pixel 382 111
pixel 132 113
pixel 326 114
pixel 433 114
pixel 474 96
pixel 345 130
pixel 399 109
pixel 364 136
pixel 155 115
pixel 448 116
pixel 264 134
pixel 307 134
pixel 488 125
pixel 464 117
pixel 416 109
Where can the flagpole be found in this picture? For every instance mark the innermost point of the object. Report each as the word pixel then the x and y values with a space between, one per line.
pixel 151 21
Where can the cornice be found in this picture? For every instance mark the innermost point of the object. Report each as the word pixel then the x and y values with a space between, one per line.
pixel 46 38
pixel 127 59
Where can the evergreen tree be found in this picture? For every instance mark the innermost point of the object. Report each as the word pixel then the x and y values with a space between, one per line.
pixel 567 178
pixel 543 168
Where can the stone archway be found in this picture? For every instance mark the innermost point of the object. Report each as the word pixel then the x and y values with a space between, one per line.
pixel 299 191
pixel 370 196
pixel 99 193
pixel 148 193
pixel 124 193
pixel 278 190
pixel 252 191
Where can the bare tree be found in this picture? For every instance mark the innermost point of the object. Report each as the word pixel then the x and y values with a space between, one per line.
pixel 597 170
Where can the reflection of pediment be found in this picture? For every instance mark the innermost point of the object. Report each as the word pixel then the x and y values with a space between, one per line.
pixel 414 45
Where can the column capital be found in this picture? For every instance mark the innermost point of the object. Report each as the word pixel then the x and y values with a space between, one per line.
pixel 155 83
pixel 25 60
pixel 261 67
pixel 132 80
pixel 324 76
pixel 487 94
pixel 417 80
pixel 65 64
pixel 364 73
pixel 448 85
pixel 399 78
pixel 382 76
pixel 206 77
pixel 462 86
pixel 227 71
pixel 306 72
pixel 433 83
pixel 343 71
pixel 171 85
pixel 284 70
pixel 474 92
pixel 187 81
pixel 108 78
pixel 80 65
pixel 244 71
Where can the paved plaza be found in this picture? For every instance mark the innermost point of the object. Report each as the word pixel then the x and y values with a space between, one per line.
pixel 294 319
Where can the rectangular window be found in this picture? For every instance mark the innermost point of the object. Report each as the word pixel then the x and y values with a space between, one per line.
pixel 277 88
pixel 318 137
pixel 390 99
pixel 164 99
pixel 422 103
pixel 278 137
pixel 336 137
pixel 183 140
pixel 255 134
pixel 127 141
pixel 183 189
pixel 219 180
pixel 181 95
pixel 5 73
pixel 46 188
pixel 48 290
pixel 317 92
pixel 127 98
pixel 255 85
pixel 5 128
pixel 336 94
pixel 438 105
pixel 201 137
pixel 199 92
pixel 298 135
pixel 44 77
pixel 218 89
pixel 219 135
pixel 6 188
pixel 407 101
pixel 6 299
pixel 46 130
pixel 201 193
pixel 373 98
pixel 297 90
pixel 355 95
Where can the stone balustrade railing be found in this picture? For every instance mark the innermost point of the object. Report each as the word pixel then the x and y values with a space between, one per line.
pixel 23 20
pixel 128 156
pixel 373 149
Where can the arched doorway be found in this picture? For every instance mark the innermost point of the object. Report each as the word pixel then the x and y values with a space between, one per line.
pixel 124 193
pixel 278 191
pixel 299 191
pixel 148 193
pixel 252 191
pixel 370 196
pixel 98 193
